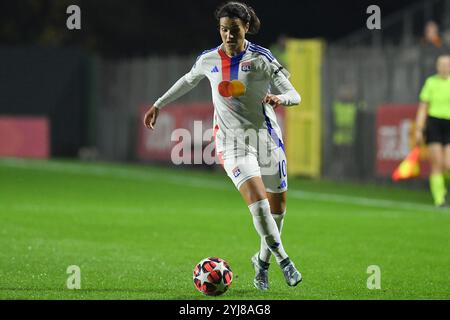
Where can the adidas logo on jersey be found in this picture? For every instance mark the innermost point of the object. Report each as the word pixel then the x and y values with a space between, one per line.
pixel 215 69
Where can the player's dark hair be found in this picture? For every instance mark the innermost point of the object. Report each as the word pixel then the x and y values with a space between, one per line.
pixel 235 9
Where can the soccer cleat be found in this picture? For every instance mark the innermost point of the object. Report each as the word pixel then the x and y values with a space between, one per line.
pixel 291 274
pixel 444 204
pixel 261 280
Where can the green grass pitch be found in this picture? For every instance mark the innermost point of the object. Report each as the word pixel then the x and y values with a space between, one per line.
pixel 136 232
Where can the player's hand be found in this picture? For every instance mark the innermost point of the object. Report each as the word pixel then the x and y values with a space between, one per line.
pixel 150 117
pixel 419 139
pixel 273 100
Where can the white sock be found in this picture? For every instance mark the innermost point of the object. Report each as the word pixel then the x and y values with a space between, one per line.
pixel 264 252
pixel 267 229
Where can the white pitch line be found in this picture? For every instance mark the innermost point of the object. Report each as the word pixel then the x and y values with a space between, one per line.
pixel 196 182
pixel 361 201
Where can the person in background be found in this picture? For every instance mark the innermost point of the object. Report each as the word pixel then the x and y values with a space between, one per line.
pixel 431 35
pixel 433 127
pixel 432 46
pixel 278 49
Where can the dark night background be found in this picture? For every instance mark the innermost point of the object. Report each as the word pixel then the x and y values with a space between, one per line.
pixel 137 28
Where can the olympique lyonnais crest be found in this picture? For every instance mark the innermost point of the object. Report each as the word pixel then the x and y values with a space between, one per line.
pixel 246 66
pixel 236 172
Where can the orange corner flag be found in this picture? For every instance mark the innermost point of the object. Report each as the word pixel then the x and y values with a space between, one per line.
pixel 409 167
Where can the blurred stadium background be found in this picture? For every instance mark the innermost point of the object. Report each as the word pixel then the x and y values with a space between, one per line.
pixel 88 86
pixel 80 95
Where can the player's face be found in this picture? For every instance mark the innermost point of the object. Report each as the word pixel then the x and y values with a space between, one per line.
pixel 232 32
pixel 443 66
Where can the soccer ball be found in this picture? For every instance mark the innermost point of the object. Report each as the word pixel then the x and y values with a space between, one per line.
pixel 212 276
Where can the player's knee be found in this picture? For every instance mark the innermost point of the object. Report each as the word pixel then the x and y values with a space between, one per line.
pixel 437 166
pixel 260 208
pixel 447 165
pixel 278 203
pixel 255 196
pixel 281 206
pixel 437 169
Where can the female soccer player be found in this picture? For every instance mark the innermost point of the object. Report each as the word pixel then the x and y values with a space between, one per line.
pixel 433 124
pixel 242 76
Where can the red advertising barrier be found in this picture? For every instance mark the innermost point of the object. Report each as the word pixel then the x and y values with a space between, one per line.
pixel 156 145
pixel 24 137
pixel 395 125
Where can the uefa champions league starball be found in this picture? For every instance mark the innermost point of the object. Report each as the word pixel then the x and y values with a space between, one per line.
pixel 212 276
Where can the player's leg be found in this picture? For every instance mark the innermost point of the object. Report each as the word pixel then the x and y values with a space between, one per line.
pixel 252 190
pixel 447 166
pixel 447 158
pixel 437 180
pixel 446 144
pixel 245 173
pixel 274 176
pixel 261 259
pixel 254 194
pixel 277 203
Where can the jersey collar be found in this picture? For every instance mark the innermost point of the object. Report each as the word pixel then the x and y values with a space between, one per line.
pixel 223 54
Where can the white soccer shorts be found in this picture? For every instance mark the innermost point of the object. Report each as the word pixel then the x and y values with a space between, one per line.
pixel 270 166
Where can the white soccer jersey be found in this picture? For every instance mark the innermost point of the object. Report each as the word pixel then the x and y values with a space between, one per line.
pixel 239 85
